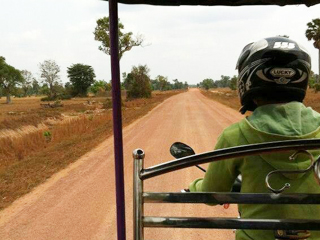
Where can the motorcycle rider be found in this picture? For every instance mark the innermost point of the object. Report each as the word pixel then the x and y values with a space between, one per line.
pixel 272 82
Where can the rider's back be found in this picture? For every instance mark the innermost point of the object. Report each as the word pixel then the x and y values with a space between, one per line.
pixel 276 122
pixel 272 82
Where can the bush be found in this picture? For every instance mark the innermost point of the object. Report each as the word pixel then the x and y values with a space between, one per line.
pixel 138 83
pixel 65 97
pixel 316 87
pixel 58 97
pixel 47 99
pixel 47 135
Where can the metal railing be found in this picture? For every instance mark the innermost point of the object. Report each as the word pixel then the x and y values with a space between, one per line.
pixel 141 197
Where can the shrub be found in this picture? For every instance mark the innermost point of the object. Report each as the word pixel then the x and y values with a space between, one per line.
pixel 57 97
pixel 316 87
pixel 138 83
pixel 46 99
pixel 47 135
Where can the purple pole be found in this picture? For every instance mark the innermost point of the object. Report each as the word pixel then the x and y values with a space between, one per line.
pixel 117 121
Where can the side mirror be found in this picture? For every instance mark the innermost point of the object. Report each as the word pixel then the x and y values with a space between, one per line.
pixel 179 150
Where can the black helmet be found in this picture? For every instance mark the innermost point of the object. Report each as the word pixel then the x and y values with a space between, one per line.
pixel 273 68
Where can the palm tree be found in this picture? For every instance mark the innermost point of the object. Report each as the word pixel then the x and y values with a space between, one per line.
pixel 313 33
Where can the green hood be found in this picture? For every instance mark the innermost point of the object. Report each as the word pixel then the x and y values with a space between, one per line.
pixel 279 122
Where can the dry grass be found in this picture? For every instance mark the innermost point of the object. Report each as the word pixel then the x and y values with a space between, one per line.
pixel 28 111
pixel 313 100
pixel 225 96
pixel 230 98
pixel 28 161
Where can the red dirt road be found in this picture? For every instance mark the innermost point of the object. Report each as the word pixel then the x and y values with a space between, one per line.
pixel 79 203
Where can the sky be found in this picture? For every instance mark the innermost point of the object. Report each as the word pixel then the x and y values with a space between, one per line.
pixel 188 43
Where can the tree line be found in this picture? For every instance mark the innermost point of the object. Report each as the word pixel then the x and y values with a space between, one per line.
pixel 22 83
pixel 138 83
pixel 223 82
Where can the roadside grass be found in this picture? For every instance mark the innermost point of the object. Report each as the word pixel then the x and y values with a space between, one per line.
pixel 28 111
pixel 230 98
pixel 27 161
pixel 225 96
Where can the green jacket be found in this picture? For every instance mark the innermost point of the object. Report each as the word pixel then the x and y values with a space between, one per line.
pixel 274 122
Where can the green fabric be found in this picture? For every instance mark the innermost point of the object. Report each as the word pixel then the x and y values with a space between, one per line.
pixel 275 122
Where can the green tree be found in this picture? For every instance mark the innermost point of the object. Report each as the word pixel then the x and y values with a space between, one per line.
pixel 312 79
pixel 81 77
pixel 68 89
pixel 207 84
pixel 155 85
pixel 9 79
pixel 223 82
pixel 35 87
pixel 126 39
pixel 100 86
pixel 49 72
pixel 233 83
pixel 164 84
pixel 26 86
pixel 44 90
pixel 313 33
pixel 177 84
pixel 138 83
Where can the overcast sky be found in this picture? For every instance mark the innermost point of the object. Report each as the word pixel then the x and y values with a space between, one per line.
pixel 187 43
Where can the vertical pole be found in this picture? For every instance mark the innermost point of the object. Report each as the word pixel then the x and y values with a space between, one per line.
pixel 138 157
pixel 117 121
pixel 319 61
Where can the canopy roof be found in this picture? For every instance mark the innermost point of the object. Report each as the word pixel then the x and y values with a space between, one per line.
pixel 221 2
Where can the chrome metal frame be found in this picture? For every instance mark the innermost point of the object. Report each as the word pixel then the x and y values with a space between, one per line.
pixel 138 156
pixel 140 197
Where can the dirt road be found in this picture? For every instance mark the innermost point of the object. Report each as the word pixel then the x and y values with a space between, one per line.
pixel 79 203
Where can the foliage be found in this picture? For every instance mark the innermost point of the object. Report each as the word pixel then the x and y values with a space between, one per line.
pixel 68 89
pixel 61 93
pixel 313 33
pixel 9 79
pixel 49 71
pixel 223 82
pixel 138 83
pixel 179 85
pixel 161 83
pixel 35 87
pixel 27 81
pixel 317 87
pixel 233 83
pixel 44 90
pixel 47 135
pixel 126 40
pixel 207 84
pixel 81 77
pixel 100 86
pixel 313 79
